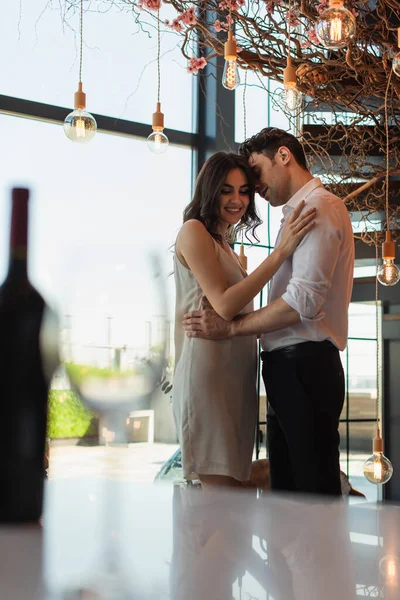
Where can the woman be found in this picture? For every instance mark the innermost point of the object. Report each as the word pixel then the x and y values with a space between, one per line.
pixel 214 394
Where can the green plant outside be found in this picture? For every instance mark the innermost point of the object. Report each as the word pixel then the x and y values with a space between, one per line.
pixel 79 373
pixel 68 417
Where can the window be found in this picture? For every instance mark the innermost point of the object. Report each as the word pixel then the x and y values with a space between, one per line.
pixel 104 192
pixel 119 62
pixel 98 194
pixel 357 427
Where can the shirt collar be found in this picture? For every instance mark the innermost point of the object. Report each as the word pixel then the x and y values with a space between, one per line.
pixel 302 194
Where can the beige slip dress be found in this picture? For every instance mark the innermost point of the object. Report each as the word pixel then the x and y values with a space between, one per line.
pixel 214 393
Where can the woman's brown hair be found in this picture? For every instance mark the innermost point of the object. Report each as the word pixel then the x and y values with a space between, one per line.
pixel 206 199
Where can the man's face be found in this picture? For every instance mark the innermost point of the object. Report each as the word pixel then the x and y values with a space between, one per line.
pixel 272 182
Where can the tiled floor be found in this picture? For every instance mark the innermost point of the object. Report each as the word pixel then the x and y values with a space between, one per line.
pixel 141 462
pixel 137 462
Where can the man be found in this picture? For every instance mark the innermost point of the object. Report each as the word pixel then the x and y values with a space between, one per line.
pixel 304 325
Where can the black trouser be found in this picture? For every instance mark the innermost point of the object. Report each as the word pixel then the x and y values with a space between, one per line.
pixel 305 393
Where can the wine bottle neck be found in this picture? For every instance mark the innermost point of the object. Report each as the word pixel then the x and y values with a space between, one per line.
pixel 17 268
pixel 19 234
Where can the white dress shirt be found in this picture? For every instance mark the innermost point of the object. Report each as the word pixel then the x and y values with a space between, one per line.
pixel 317 279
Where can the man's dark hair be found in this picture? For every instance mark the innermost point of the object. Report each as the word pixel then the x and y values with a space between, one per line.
pixel 268 142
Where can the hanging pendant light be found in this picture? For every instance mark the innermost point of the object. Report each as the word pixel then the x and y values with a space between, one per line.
pixel 377 468
pixel 396 58
pixel 230 76
pixel 336 26
pixel 80 126
pixel 157 142
pixel 291 96
pixel 388 273
pixel 242 256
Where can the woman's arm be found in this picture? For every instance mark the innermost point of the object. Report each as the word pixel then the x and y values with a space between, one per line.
pixel 196 247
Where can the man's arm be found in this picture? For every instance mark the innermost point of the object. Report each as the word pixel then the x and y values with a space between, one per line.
pixel 276 315
pixel 313 262
pixel 209 325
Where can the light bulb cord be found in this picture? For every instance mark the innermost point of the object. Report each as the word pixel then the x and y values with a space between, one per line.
pixel 245 107
pixel 288 26
pixel 158 57
pixel 378 384
pixel 387 150
pixel 81 42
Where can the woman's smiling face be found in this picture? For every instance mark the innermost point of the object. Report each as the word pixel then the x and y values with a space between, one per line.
pixel 234 197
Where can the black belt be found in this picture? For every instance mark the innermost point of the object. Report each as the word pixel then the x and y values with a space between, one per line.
pixel 297 350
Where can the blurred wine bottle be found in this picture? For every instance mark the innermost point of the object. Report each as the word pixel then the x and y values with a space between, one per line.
pixel 28 358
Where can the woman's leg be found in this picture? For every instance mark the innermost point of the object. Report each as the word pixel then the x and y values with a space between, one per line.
pixel 219 481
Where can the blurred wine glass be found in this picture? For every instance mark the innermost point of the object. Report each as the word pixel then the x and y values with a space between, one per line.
pixel 114 334
pixel 113 345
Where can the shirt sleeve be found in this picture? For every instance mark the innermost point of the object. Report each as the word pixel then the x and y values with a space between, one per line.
pixel 313 264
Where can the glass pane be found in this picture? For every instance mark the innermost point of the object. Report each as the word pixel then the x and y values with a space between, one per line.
pixel 362 320
pixel 89 194
pixel 256 104
pixel 362 379
pixel 277 117
pixel 113 191
pixel 263 442
pixel 275 220
pixel 255 256
pixel 119 62
pixel 262 232
pixel 361 435
pixel 364 271
pixel 343 445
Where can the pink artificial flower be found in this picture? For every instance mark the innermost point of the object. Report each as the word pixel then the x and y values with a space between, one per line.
pixel 231 4
pixel 188 17
pixel 221 25
pixel 176 25
pixel 195 64
pixel 217 25
pixel 271 4
pixel 312 36
pixel 305 44
pixel 229 20
pixel 354 12
pixel 150 4
pixel 292 17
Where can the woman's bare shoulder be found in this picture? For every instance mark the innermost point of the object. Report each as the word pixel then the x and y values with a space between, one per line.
pixel 193 231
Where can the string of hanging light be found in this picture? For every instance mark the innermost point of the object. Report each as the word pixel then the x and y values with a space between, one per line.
pixel 230 76
pixel 377 468
pixel 291 96
pixel 242 256
pixel 80 126
pixel 388 273
pixel 157 141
